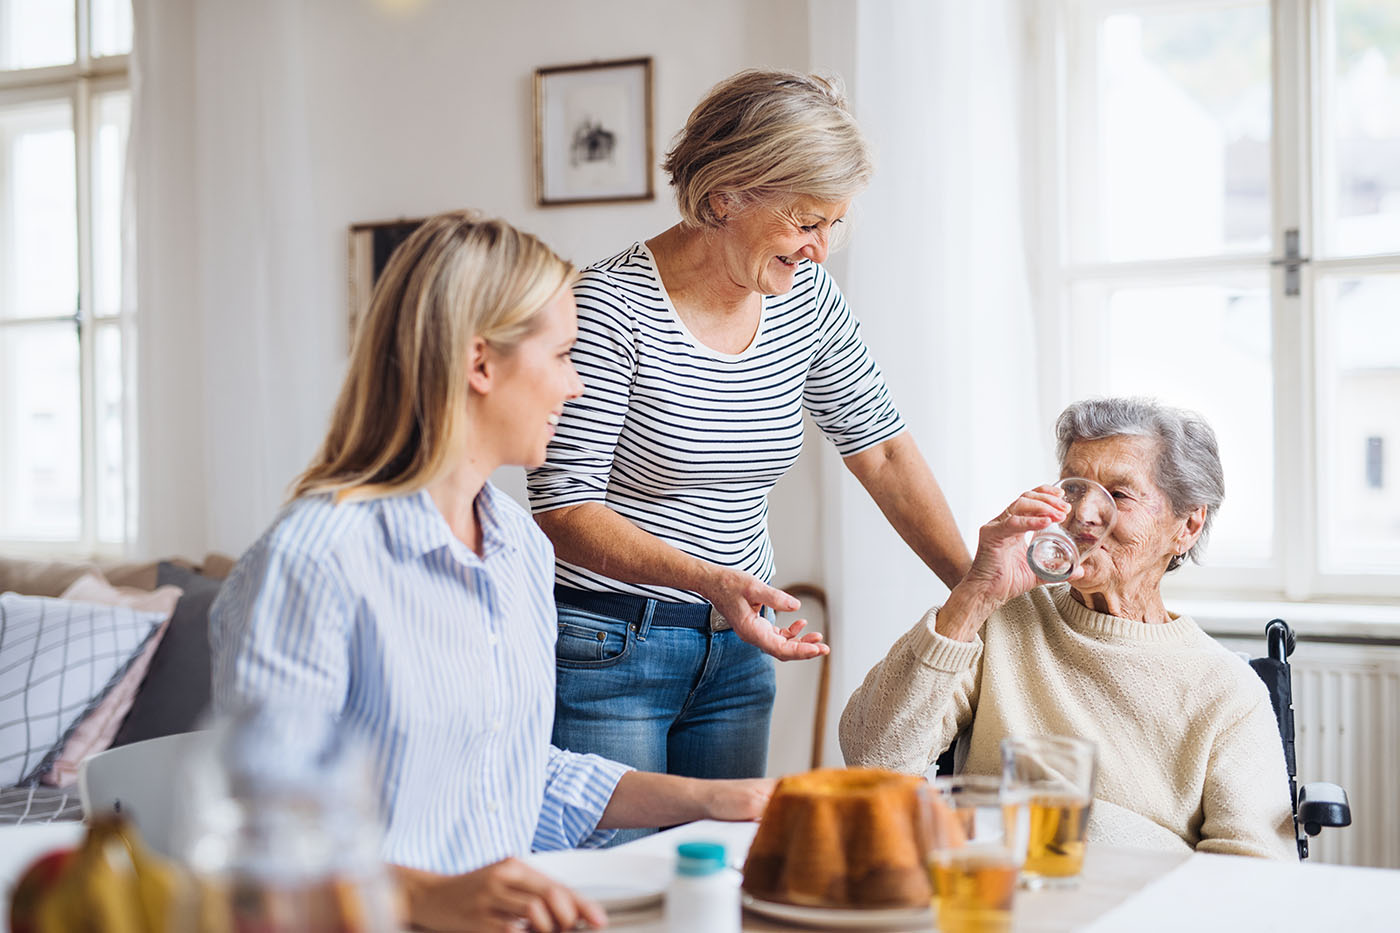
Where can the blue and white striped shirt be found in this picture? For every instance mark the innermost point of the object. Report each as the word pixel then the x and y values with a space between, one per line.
pixel 685 441
pixel 444 662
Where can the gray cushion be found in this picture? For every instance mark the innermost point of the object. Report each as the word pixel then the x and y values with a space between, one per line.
pixel 58 659
pixel 175 693
pixel 39 803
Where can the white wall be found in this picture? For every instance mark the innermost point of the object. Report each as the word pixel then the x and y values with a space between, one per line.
pixel 270 126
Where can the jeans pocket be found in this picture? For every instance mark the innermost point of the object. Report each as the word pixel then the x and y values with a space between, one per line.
pixel 590 640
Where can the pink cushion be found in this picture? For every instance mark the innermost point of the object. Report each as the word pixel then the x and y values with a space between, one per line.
pixel 94 733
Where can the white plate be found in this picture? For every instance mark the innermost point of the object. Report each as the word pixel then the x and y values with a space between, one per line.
pixel 845 918
pixel 616 880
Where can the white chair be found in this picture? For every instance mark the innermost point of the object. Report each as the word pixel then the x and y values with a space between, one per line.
pixel 139 781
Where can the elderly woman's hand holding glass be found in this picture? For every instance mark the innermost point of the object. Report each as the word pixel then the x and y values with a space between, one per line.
pixel 1189 749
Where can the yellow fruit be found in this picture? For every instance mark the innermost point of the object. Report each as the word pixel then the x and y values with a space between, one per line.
pixel 112 884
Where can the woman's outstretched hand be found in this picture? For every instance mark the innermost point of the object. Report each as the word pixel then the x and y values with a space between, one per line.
pixel 741 597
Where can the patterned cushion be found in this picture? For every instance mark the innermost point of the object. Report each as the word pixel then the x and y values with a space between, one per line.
pixel 58 660
pixel 96 730
pixel 39 804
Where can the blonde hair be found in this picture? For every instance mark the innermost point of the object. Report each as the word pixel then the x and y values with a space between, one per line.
pixel 767 134
pixel 401 414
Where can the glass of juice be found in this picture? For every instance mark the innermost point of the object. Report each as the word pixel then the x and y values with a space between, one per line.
pixel 1056 775
pixel 977 832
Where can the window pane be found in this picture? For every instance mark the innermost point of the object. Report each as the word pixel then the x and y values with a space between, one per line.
pixel 1361 151
pixel 40 446
pixel 1359 423
pixel 1205 348
pixel 111 475
pixel 37 33
pixel 1184 126
pixel 111 27
pixel 38 216
pixel 111 116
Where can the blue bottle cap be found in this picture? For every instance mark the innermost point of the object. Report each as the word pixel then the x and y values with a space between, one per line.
pixel 699 858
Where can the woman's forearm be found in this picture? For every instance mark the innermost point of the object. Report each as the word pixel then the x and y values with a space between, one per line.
pixel 594 536
pixel 647 799
pixel 902 485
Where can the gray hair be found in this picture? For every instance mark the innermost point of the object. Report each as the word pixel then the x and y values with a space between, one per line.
pixel 1188 458
pixel 764 135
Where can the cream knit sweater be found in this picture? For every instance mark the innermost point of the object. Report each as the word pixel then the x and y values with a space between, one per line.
pixel 1189 751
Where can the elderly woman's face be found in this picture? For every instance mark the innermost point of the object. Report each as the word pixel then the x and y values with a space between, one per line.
pixel 762 246
pixel 1147 533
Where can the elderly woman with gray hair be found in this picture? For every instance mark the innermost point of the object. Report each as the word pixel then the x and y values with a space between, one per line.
pixel 701 349
pixel 1189 750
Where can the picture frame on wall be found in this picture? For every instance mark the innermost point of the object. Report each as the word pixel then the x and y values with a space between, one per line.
pixel 593 132
pixel 371 245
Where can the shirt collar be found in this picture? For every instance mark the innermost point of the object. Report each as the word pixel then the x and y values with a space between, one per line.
pixel 413 526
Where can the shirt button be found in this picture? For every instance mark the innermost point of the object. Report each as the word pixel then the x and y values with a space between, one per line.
pixel 493 807
pixel 495 725
pixel 492 639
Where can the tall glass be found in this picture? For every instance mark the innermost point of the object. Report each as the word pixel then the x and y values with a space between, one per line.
pixel 1058 549
pixel 977 834
pixel 1056 774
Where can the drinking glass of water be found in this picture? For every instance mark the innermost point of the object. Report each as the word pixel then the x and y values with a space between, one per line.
pixel 1058 549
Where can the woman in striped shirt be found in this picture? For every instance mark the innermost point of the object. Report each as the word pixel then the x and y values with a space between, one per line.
pixel 701 349
pixel 400 593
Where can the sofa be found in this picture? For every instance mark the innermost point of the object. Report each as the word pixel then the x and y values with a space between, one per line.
pixel 95 656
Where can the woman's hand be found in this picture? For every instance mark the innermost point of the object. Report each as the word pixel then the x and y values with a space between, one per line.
pixel 999 569
pixel 740 598
pixel 738 800
pixel 498 898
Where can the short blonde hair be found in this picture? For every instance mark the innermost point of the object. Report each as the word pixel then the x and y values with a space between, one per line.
pixel 765 134
pixel 401 414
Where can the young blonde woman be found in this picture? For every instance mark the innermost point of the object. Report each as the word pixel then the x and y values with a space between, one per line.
pixel 402 593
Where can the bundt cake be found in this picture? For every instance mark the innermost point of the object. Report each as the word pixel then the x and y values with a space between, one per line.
pixel 841 838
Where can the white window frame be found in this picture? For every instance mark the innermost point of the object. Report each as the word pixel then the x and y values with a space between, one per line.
pixel 79 82
pixel 1299 70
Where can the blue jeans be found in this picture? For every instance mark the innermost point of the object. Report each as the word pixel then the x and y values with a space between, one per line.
pixel 672 698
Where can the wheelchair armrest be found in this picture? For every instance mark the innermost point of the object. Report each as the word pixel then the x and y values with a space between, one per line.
pixel 1321 804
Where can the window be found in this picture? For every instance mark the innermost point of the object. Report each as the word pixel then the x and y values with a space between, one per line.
pixel 1226 237
pixel 66 306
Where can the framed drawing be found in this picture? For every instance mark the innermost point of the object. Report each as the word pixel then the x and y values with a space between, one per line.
pixel 371 245
pixel 593 132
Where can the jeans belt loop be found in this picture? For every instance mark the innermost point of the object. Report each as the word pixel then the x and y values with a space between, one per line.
pixel 644 626
pixel 718 623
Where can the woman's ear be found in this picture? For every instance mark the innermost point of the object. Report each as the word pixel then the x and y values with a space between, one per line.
pixel 1191 529
pixel 721 205
pixel 481 366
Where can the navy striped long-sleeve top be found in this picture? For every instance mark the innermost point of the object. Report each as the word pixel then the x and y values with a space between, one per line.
pixel 686 441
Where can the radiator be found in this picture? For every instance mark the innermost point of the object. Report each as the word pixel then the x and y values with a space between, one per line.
pixel 1346 704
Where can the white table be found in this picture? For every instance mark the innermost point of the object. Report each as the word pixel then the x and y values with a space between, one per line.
pixel 1121 889
pixel 1134 890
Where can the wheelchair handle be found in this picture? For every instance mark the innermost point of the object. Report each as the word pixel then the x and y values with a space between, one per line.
pixel 1281 639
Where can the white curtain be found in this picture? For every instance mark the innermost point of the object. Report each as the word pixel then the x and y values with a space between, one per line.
pixel 936 269
pixel 238 322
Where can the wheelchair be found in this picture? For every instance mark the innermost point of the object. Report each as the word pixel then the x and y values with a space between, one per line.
pixel 1316 804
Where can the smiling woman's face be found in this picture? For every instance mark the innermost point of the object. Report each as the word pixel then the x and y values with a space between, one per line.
pixel 762 246
pixel 1147 533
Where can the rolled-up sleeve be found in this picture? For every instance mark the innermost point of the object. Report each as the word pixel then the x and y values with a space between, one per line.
pixel 576 792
